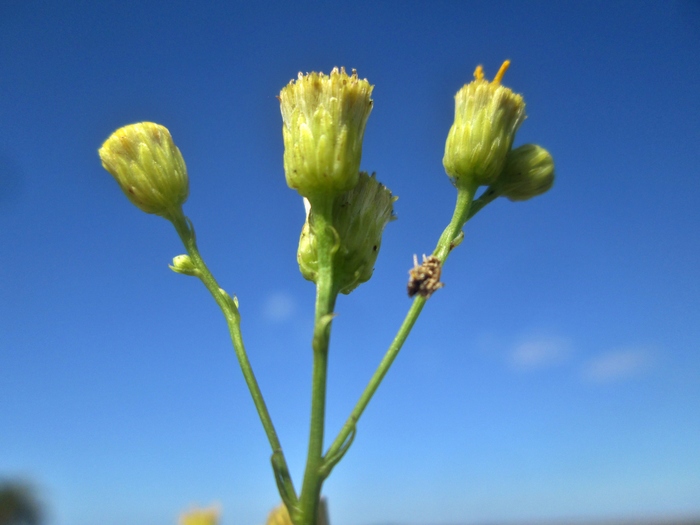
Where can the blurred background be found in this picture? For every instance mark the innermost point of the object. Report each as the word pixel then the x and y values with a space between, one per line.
pixel 555 377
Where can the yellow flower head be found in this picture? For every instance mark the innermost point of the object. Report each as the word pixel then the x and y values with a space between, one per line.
pixel 209 516
pixel 279 516
pixel 148 167
pixel 487 115
pixel 324 120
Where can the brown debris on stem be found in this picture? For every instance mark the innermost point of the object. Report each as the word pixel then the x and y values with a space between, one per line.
pixel 424 279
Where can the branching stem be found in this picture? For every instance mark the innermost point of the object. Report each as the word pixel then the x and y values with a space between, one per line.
pixel 229 307
pixel 444 246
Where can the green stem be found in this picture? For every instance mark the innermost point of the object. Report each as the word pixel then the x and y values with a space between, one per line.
pixel 229 307
pixel 459 218
pixel 326 294
pixel 444 246
pixel 485 198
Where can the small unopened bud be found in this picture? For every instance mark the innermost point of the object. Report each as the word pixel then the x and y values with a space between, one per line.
pixel 324 120
pixel 487 115
pixel 184 265
pixel 307 256
pixel 148 167
pixel 359 217
pixel 529 171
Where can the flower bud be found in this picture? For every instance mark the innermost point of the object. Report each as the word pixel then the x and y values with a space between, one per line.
pixel 359 217
pixel 184 265
pixel 528 172
pixel 148 167
pixel 487 115
pixel 306 252
pixel 324 121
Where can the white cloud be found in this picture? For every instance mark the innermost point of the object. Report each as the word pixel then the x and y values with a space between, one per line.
pixel 618 365
pixel 539 353
pixel 279 307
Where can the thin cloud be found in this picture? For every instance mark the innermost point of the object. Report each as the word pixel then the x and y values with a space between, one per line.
pixel 279 307
pixel 539 353
pixel 618 365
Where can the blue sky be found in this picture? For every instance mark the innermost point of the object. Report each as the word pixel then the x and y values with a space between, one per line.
pixel 557 374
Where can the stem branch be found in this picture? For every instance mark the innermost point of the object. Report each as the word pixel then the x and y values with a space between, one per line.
pixel 229 307
pixel 444 246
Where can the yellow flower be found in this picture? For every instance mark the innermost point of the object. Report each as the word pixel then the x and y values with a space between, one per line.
pixel 487 115
pixel 279 516
pixel 324 119
pixel 208 516
pixel 148 167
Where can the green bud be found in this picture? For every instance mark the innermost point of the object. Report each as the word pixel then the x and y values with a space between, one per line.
pixel 324 120
pixel 184 265
pixel 529 171
pixel 148 167
pixel 359 217
pixel 306 252
pixel 487 115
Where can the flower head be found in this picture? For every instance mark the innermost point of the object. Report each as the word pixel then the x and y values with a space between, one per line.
pixel 528 172
pixel 148 167
pixel 209 516
pixel 359 217
pixel 487 115
pixel 324 120
pixel 279 516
